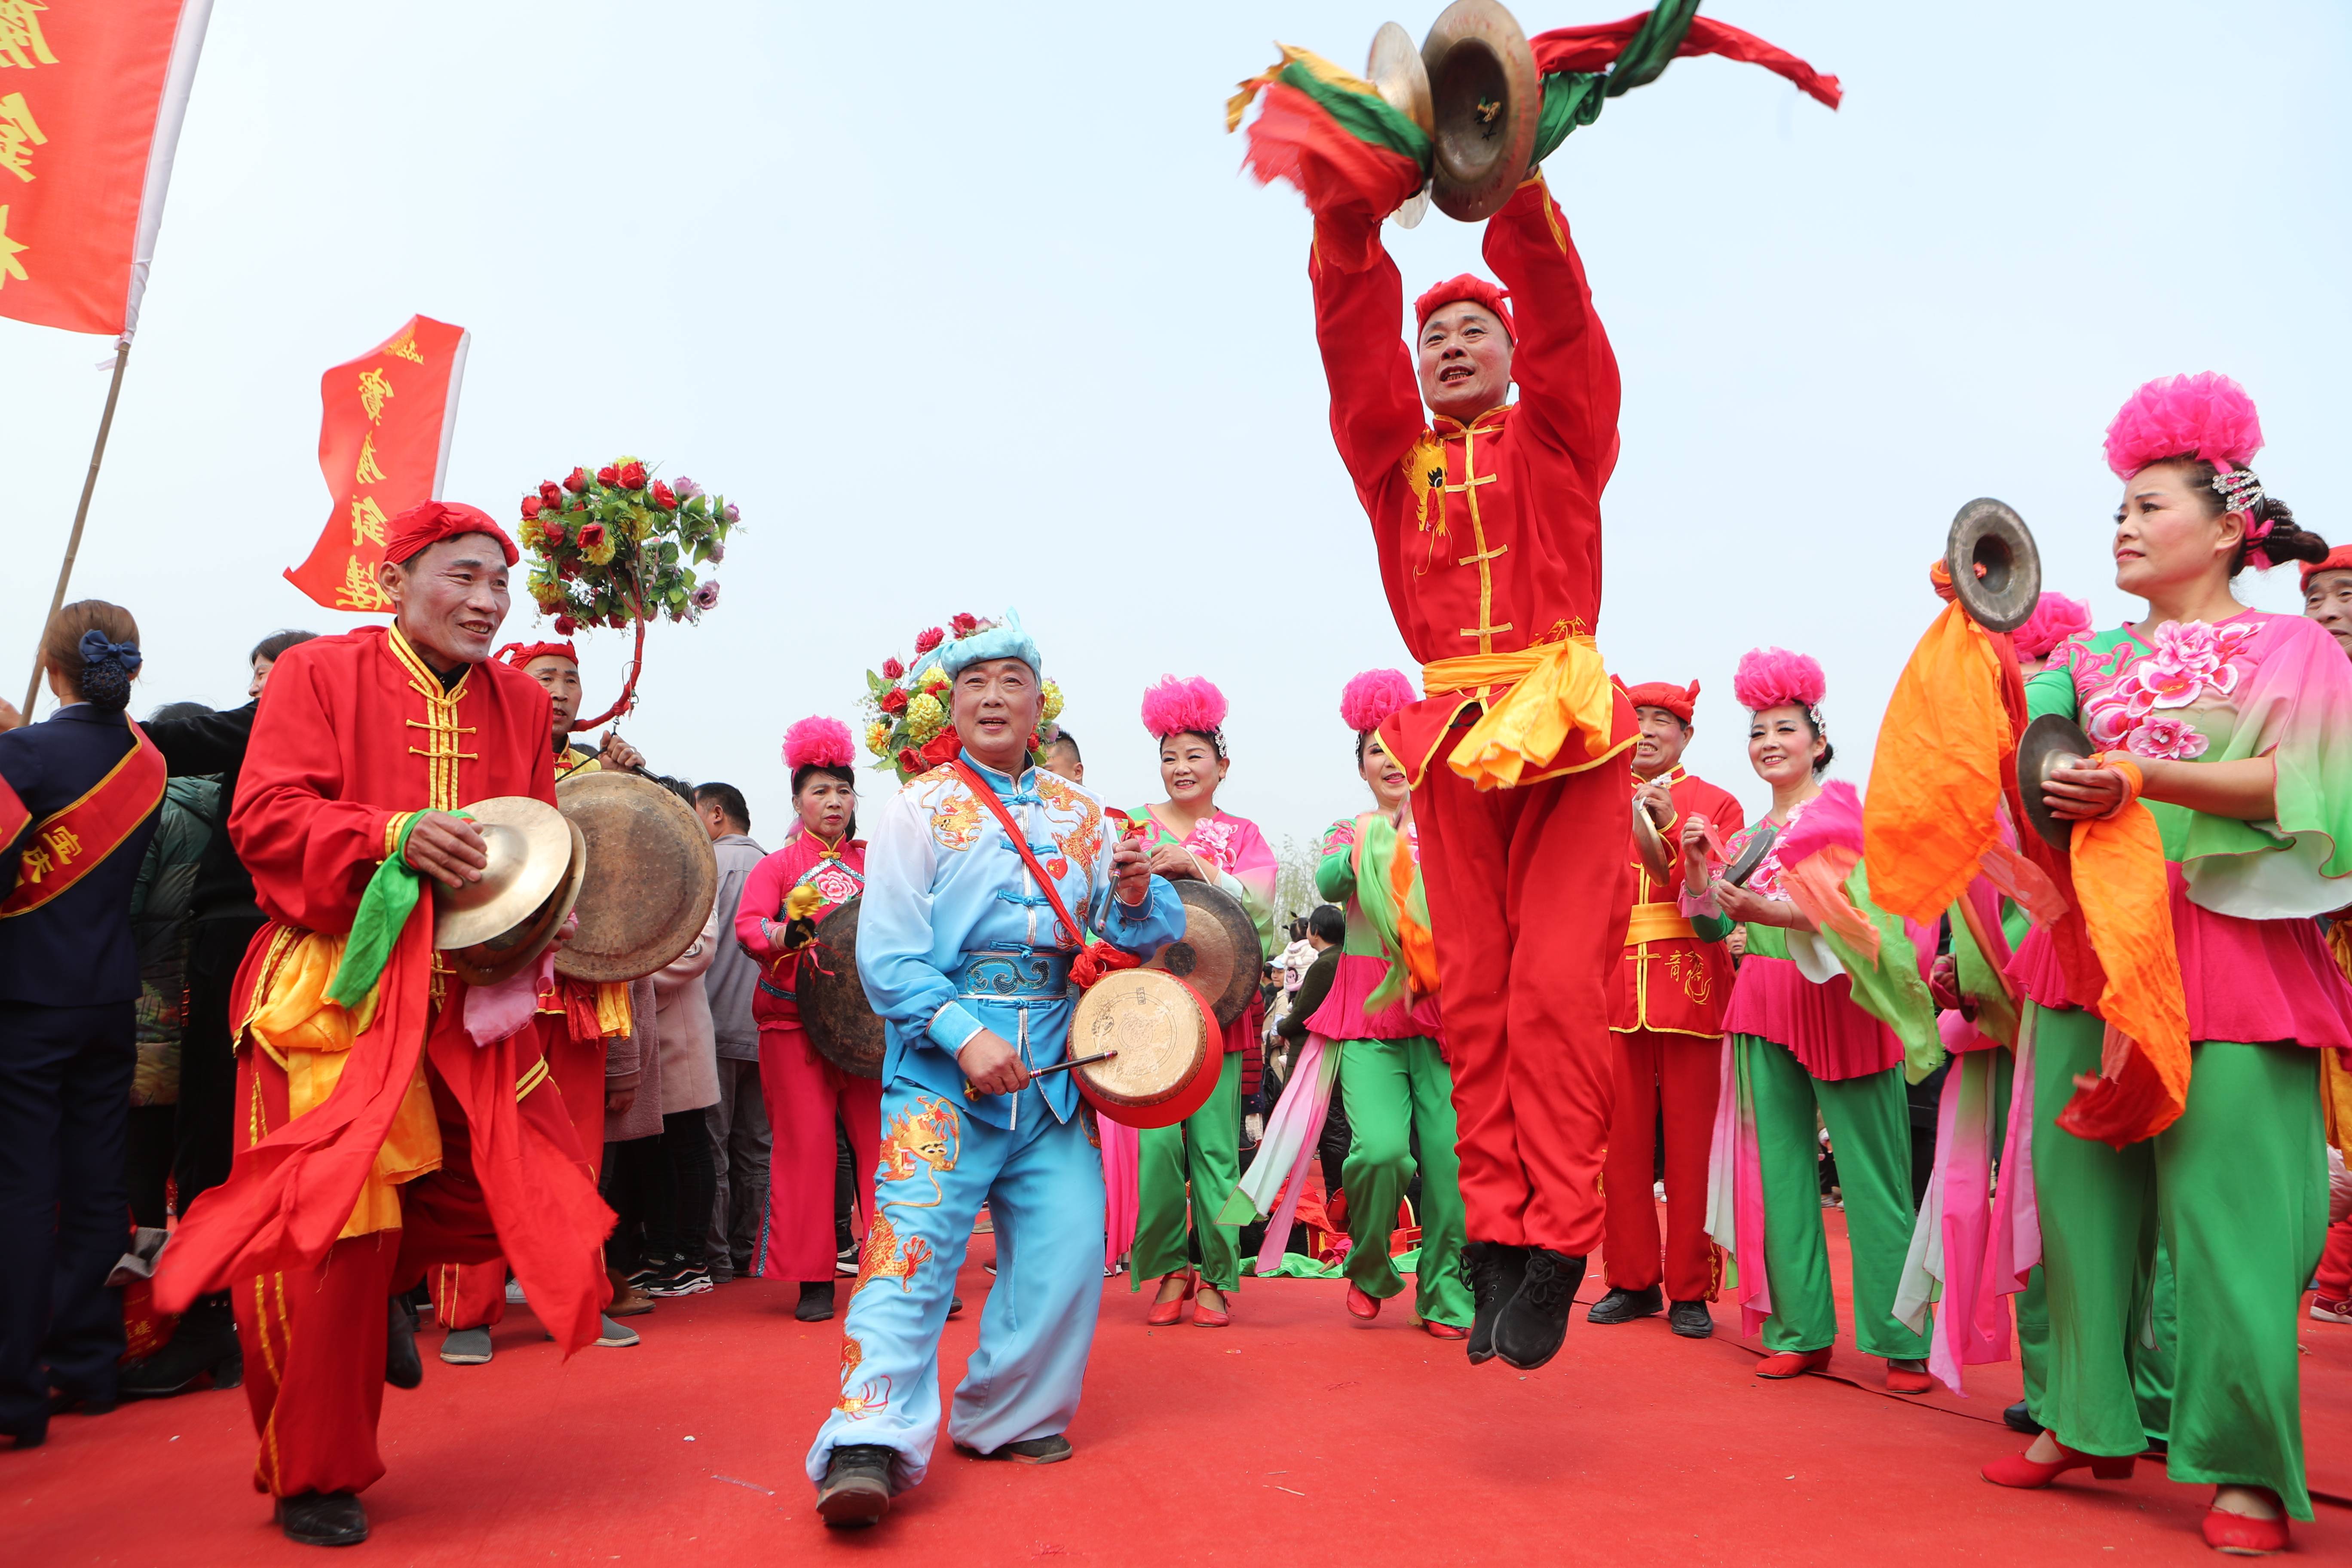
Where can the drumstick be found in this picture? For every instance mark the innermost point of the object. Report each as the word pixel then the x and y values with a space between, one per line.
pixel 971 1093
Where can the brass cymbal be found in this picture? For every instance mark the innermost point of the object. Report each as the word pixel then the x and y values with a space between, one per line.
pixel 1395 69
pixel 1485 97
pixel 1651 845
pixel 488 962
pixel 1995 567
pixel 2048 745
pixel 529 854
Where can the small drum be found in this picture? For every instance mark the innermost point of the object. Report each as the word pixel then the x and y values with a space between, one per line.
pixel 841 1023
pixel 1218 953
pixel 1168 1041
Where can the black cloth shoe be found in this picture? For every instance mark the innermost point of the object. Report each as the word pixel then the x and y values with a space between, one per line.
pixel 1689 1319
pixel 1050 1450
pixel 322 1518
pixel 1623 1306
pixel 30 1433
pixel 816 1301
pixel 65 1402
pixel 855 1491
pixel 1494 1272
pixel 1533 1324
pixel 2020 1419
pixel 402 1368
pixel 205 1342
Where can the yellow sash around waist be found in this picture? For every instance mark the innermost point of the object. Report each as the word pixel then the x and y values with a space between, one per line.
pixel 1556 689
pixel 1657 923
pixel 291 1020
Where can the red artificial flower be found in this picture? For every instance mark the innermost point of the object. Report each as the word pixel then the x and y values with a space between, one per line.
pixel 608 475
pixel 555 531
pixel 911 761
pixel 576 482
pixel 945 747
pixel 592 534
pixel 530 505
pixel 926 640
pixel 618 622
pixel 965 624
pixel 632 476
pixel 892 670
pixel 551 493
pixel 565 626
pixel 895 701
pixel 663 497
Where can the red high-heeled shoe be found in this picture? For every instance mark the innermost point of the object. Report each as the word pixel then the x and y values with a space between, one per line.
pixel 1360 1305
pixel 1443 1330
pixel 1208 1317
pixel 2243 1535
pixel 1793 1364
pixel 2017 1470
pixel 1163 1313
pixel 1908 1379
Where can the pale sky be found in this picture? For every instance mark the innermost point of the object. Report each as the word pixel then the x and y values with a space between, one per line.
pixel 970 306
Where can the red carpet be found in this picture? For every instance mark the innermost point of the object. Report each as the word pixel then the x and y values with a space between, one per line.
pixel 1295 1438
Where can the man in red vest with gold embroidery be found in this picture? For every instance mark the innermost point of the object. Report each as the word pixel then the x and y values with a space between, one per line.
pixel 1486 517
pixel 380 1138
pixel 1667 1024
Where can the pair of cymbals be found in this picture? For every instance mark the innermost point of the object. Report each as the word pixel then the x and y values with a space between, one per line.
pixel 492 928
pixel 1472 85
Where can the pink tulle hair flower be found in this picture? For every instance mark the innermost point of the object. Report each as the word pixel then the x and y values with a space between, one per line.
pixel 1372 696
pixel 1773 676
pixel 2203 416
pixel 818 741
pixel 2054 619
pixel 1179 707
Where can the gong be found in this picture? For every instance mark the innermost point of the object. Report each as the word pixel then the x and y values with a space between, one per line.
pixel 841 1023
pixel 1218 955
pixel 651 877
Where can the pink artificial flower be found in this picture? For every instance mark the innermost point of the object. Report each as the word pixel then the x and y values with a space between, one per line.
pixel 705 597
pixel 892 670
pixel 2173 740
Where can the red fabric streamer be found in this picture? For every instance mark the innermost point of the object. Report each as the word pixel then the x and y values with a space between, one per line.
pixel 1294 139
pixel 1594 47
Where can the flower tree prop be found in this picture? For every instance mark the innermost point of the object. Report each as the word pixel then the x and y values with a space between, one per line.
pixel 618 547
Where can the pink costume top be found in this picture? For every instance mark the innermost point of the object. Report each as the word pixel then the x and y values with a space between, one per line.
pixel 1818 1022
pixel 837 873
pixel 1363 962
pixel 2253 964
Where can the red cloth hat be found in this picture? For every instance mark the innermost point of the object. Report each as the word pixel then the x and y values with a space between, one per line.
pixel 1478 291
pixel 428 523
pixel 519 654
pixel 2338 560
pixel 1678 700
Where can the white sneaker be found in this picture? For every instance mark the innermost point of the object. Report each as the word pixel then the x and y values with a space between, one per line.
pixel 2323 1311
pixel 514 1294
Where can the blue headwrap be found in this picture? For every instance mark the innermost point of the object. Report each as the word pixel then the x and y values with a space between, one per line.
pixel 1006 639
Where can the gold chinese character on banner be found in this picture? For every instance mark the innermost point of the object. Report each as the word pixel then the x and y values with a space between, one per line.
pixel 374 390
pixel 10 266
pixel 36 864
pixel 367 521
pixel 21 43
pixel 359 590
pixel 18 136
pixel 405 347
pixel 367 472
pixel 62 844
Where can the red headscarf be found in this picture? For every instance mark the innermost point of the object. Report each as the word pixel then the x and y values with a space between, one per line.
pixel 519 654
pixel 428 523
pixel 1478 291
pixel 1678 700
pixel 2338 560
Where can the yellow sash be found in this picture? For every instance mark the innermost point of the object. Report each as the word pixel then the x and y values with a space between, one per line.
pixel 1657 923
pixel 1556 689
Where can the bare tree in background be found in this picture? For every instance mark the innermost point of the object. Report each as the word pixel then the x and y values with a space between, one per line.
pixel 1294 883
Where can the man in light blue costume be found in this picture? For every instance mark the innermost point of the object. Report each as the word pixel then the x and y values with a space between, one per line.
pixel 963 954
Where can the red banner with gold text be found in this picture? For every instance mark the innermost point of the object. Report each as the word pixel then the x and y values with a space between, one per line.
pixel 383 444
pixel 91 96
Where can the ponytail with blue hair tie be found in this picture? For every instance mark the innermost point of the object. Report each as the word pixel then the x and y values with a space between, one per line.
pixel 106 670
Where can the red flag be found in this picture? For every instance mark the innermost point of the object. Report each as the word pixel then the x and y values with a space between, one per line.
pixel 383 443
pixel 90 102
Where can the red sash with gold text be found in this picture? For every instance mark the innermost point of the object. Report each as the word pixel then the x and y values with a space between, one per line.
pixel 72 841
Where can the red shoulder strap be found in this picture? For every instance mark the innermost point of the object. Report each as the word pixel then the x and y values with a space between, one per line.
pixel 1094 959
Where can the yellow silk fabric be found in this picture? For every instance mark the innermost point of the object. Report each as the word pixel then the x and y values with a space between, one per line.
pixel 612 1009
pixel 1556 689
pixel 1657 922
pixel 291 1019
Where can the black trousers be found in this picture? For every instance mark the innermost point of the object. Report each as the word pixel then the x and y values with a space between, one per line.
pixel 205 1139
pixel 65 1101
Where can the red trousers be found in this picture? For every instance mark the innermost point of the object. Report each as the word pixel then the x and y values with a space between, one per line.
pixel 2334 1275
pixel 474 1295
pixel 1526 891
pixel 1672 1078
pixel 805 1093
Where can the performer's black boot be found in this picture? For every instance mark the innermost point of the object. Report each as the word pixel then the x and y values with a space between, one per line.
pixel 856 1487
pixel 1622 1305
pixel 205 1341
pixel 403 1367
pixel 1494 1270
pixel 1689 1319
pixel 1533 1324
pixel 816 1304
pixel 322 1518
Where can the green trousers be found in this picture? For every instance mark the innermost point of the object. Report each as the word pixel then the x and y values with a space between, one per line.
pixel 1201 1155
pixel 2235 1194
pixel 1394 1090
pixel 1869 1122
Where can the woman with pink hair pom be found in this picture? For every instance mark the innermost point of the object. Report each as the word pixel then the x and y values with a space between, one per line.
pixel 1802 1043
pixel 1188 837
pixel 2226 751
pixel 821 867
